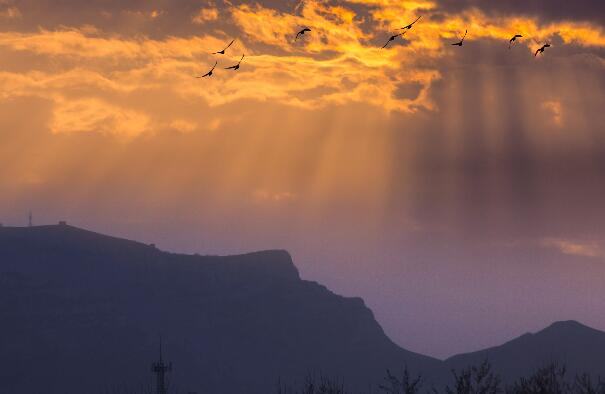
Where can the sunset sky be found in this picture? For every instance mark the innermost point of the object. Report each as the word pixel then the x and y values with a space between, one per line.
pixel 459 190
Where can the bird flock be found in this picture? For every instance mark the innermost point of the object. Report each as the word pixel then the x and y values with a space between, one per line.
pixel 392 38
pixel 222 52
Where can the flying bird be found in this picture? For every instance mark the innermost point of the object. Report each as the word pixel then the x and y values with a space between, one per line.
pixel 209 73
pixel 410 25
pixel 510 42
pixel 223 51
pixel 302 33
pixel 461 41
pixel 541 49
pixel 392 38
pixel 236 67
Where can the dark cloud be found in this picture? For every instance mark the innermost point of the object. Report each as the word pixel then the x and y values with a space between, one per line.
pixel 154 18
pixel 498 161
pixel 546 10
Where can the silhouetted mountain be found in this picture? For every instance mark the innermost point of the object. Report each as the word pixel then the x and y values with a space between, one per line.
pixel 82 312
pixel 580 348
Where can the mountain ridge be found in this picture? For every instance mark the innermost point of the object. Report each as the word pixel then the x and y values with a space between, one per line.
pixel 78 239
pixel 580 347
pixel 67 294
pixel 92 294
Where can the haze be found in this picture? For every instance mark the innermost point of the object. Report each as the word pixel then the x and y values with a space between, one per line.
pixel 458 190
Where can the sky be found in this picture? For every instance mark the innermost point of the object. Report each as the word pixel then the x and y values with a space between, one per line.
pixel 458 190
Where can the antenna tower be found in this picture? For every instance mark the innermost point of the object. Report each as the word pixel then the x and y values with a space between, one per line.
pixel 159 368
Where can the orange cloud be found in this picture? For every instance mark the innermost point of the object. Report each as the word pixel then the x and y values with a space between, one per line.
pixel 206 15
pixel 262 195
pixel 93 115
pixel 575 248
pixel 556 110
pixel 149 15
pixel 184 126
pixel 340 62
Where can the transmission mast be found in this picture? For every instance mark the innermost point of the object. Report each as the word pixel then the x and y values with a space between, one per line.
pixel 159 368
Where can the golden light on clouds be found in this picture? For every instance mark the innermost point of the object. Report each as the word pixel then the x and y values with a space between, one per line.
pixel 342 88
pixel 340 62
pixel 92 115
pixel 206 15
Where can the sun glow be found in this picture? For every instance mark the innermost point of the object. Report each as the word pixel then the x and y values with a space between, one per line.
pixel 308 123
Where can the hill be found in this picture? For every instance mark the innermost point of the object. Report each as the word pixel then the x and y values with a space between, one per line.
pixel 580 348
pixel 83 312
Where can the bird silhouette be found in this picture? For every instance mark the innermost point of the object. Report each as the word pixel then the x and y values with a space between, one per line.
pixel 541 49
pixel 510 42
pixel 209 73
pixel 302 33
pixel 392 38
pixel 222 52
pixel 461 41
pixel 408 27
pixel 236 67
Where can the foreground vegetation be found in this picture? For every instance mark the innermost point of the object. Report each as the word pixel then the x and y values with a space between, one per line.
pixel 551 379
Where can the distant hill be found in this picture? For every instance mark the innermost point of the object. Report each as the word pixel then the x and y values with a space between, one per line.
pixel 580 348
pixel 82 312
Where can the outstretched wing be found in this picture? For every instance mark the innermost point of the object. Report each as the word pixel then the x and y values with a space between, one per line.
pixel 463 37
pixel 410 25
pixel 231 43
pixel 302 32
pixel 236 66
pixel 209 72
pixel 417 19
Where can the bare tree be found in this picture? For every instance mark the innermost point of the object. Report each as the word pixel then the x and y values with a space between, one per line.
pixel 476 380
pixel 584 384
pixel 323 385
pixel 405 385
pixel 546 380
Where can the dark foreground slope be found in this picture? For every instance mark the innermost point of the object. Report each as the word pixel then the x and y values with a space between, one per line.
pixel 581 349
pixel 82 312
